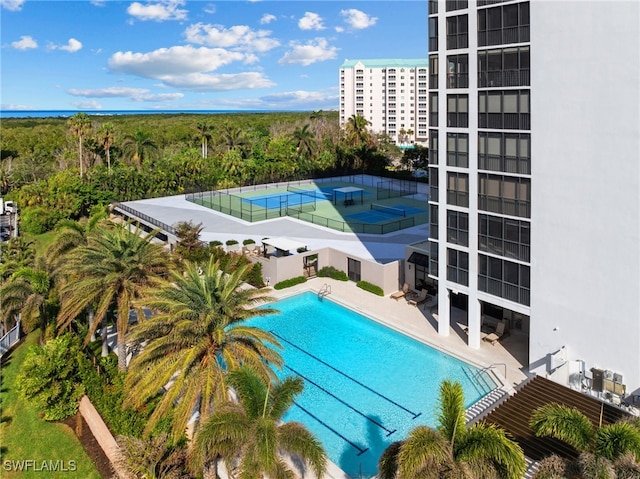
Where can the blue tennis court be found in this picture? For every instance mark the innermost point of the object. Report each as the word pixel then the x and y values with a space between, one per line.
pixel 383 214
pixel 290 198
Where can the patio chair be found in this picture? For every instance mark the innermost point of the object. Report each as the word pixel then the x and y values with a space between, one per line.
pixel 401 293
pixel 494 337
pixel 419 299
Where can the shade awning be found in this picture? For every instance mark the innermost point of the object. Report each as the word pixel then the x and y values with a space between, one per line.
pixel 419 259
pixel 348 189
pixel 284 244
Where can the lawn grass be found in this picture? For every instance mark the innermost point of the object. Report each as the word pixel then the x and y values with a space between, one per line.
pixel 41 242
pixel 24 436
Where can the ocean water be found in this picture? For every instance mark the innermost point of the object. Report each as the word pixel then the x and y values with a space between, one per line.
pixel 68 113
pixel 366 385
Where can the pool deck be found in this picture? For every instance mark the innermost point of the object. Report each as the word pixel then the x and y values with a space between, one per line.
pixel 422 325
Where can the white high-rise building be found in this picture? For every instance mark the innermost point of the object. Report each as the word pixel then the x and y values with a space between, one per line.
pixel 391 94
pixel 535 180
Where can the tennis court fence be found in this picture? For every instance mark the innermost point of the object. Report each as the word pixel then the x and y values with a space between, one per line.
pixel 386 189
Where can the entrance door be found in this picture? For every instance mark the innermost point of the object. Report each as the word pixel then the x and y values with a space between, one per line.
pixel 353 269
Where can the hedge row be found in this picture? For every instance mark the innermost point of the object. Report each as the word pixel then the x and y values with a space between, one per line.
pixel 372 288
pixel 287 283
pixel 333 273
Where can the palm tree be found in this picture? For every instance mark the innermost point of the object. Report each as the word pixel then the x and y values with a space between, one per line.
pixel 80 124
pixel 249 435
pixel 106 135
pixel 232 137
pixel 196 337
pixel 27 294
pixel 205 131
pixel 304 140
pixel 138 147
pixel 453 450
pixel 599 447
pixel 356 130
pixel 112 269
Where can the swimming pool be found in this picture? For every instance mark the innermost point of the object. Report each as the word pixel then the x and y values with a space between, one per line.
pixel 366 385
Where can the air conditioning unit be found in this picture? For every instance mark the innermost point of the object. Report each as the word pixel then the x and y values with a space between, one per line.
pixel 608 374
pixel 617 378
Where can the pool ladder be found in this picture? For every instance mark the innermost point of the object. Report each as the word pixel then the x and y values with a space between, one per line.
pixel 324 291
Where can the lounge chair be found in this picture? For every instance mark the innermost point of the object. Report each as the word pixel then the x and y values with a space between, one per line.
pixel 419 299
pixel 494 337
pixel 401 293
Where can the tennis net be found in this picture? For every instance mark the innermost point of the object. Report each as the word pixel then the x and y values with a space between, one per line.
pixel 388 210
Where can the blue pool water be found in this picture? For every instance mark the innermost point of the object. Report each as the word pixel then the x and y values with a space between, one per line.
pixel 366 385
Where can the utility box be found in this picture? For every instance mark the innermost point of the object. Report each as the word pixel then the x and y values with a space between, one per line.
pixel 597 384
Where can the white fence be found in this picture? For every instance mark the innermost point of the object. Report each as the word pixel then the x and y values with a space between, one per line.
pixel 9 339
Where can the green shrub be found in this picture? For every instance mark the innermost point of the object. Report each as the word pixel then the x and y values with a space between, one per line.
pixel 230 242
pixel 215 243
pixel 248 241
pixel 287 283
pixel 37 220
pixel 372 288
pixel 254 276
pixel 49 377
pixel 333 273
pixel 302 249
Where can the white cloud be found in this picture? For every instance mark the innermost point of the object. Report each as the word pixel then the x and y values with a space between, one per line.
pixel 218 82
pixel 158 11
pixel 339 29
pixel 294 100
pixel 25 43
pixel 72 46
pixel 358 19
pixel 267 18
pixel 12 5
pixel 317 50
pixel 239 37
pixel 172 61
pixel 189 68
pixel 310 21
pixel 98 3
pixel 87 105
pixel 12 106
pixel 210 8
pixel 135 94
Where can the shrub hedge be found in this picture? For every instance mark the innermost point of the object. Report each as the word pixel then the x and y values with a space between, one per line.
pixel 333 273
pixel 372 288
pixel 287 283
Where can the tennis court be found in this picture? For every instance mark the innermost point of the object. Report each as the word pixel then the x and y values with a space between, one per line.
pixel 381 213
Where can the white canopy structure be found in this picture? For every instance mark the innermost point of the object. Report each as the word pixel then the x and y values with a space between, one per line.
pixel 283 245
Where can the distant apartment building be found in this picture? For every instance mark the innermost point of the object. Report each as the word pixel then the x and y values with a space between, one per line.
pixel 391 94
pixel 535 180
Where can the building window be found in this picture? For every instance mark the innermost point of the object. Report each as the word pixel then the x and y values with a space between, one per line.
pixel 458 266
pixel 458 150
pixel 433 221
pixel 457 32
pixel 506 152
pixel 458 189
pixel 433 147
pixel 504 67
pixel 458 71
pixel 503 25
pixel 504 279
pixel 507 195
pixel 504 109
pixel 433 184
pixel 458 111
pixel 456 5
pixel 433 72
pixel 433 34
pixel 433 259
pixel 504 237
pixel 433 7
pixel 433 109
pixel 458 227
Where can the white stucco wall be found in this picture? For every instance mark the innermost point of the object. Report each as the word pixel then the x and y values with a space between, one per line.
pixel 585 235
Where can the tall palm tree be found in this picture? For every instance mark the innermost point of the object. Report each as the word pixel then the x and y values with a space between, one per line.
pixel 232 137
pixel 80 124
pixel 106 137
pixel 249 435
pixel 138 147
pixel 205 131
pixel 112 269
pixel 196 337
pixel 599 447
pixel 357 132
pixel 304 140
pixel 453 450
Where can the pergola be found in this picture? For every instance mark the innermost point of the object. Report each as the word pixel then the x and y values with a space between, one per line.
pixel 282 245
pixel 348 194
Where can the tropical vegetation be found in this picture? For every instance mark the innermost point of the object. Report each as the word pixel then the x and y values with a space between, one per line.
pixel 453 450
pixel 606 452
pixel 249 435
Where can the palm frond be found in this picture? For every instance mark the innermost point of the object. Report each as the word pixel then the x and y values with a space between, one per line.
pixel 564 423
pixel 613 440
pixel 451 412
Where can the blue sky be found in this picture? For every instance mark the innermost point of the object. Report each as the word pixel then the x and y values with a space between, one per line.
pixel 195 55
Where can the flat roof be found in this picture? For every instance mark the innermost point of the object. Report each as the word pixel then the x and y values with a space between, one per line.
pixel 284 244
pixel 388 63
